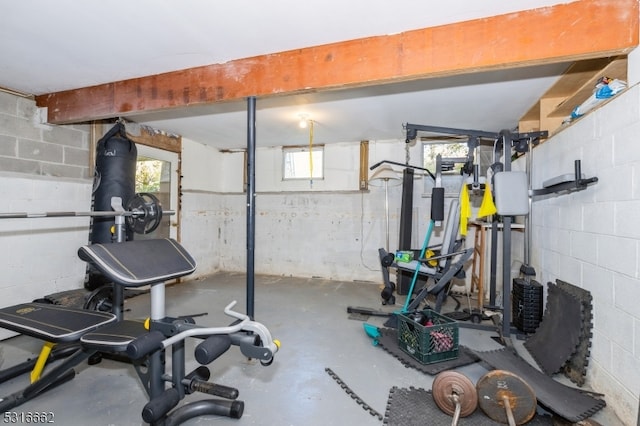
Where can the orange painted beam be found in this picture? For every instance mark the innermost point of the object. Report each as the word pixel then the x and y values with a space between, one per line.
pixel 580 30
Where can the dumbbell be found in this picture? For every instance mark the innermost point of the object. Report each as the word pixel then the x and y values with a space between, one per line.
pixel 454 394
pixel 506 398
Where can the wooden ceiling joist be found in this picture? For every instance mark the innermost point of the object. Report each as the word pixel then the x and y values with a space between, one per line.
pixel 579 30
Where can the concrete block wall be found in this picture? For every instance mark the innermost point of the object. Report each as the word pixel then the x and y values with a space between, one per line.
pixel 42 168
pixel 308 233
pixel 329 235
pixel 27 146
pixel 297 234
pixel 591 239
pixel 202 226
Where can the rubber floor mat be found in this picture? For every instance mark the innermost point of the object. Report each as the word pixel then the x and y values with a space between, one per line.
pixel 70 298
pixel 77 298
pixel 389 341
pixel 569 403
pixel 559 333
pixel 576 367
pixel 416 407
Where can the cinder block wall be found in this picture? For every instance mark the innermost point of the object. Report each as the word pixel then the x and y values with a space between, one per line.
pixel 26 146
pixel 591 239
pixel 301 229
pixel 42 168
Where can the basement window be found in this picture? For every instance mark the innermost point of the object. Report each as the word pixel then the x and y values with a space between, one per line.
pixel 453 155
pixel 303 162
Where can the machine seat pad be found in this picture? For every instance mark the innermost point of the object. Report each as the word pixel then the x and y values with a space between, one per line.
pixel 114 337
pixel 411 266
pixel 52 323
pixel 141 262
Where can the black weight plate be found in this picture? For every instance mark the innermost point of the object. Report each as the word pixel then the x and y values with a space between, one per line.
pixel 150 210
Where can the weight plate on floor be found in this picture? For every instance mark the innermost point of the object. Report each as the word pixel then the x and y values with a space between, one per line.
pixel 450 383
pixel 499 385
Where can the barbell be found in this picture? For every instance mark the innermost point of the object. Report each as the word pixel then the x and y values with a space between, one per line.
pixel 506 397
pixel 143 215
pixel 454 394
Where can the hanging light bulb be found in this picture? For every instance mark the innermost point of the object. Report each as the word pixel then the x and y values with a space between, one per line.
pixel 304 121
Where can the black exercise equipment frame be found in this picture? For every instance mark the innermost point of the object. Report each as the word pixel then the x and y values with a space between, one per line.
pixel 509 140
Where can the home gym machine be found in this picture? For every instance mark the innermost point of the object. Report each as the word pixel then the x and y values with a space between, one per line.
pixel 452 257
pixel 469 168
pixel 438 262
pixel 504 142
pixel 134 264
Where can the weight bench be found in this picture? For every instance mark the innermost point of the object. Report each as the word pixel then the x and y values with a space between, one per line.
pixel 136 264
pixel 440 269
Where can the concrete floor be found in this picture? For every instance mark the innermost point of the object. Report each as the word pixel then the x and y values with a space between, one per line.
pixel 307 315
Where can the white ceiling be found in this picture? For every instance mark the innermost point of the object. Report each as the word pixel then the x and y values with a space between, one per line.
pixel 52 46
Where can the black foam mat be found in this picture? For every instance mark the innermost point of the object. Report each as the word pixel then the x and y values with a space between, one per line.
pixel 416 407
pixel 77 298
pixel 71 298
pixel 576 367
pixel 567 402
pixel 559 333
pixel 388 340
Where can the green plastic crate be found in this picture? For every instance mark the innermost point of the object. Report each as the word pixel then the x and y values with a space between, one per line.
pixel 428 343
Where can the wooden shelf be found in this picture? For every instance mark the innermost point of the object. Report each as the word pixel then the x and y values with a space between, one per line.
pixel 572 89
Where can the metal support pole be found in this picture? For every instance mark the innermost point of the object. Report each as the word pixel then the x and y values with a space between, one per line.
pixel 386 210
pixel 178 366
pixel 494 263
pixel 506 277
pixel 506 245
pixel 527 218
pixel 251 204
pixel 404 278
pixel 117 291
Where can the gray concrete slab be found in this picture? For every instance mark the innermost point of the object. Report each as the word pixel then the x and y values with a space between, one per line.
pixel 307 315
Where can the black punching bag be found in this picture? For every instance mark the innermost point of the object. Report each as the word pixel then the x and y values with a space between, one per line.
pixel 116 159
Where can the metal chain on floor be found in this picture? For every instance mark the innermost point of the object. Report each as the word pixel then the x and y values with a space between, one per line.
pixel 353 395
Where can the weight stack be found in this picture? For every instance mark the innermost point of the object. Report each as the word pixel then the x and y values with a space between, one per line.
pixel 527 304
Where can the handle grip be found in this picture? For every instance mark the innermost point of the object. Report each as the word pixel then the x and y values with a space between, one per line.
pixel 145 345
pixel 211 348
pixel 158 407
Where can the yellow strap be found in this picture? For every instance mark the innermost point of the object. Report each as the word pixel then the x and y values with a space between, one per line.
pixel 487 208
pixel 465 210
pixel 42 360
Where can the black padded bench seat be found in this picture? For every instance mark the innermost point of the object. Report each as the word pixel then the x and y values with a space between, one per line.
pixel 52 323
pixel 141 262
pixel 114 337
